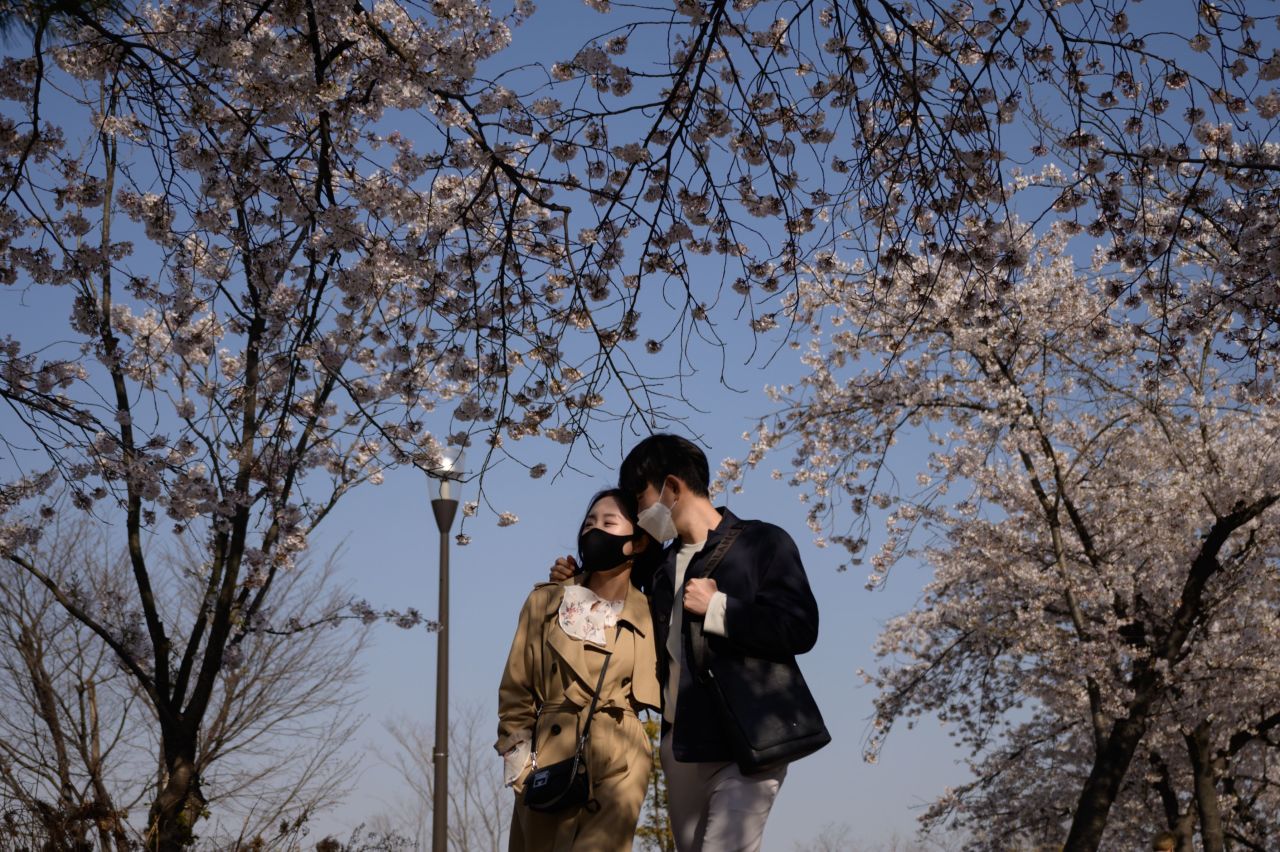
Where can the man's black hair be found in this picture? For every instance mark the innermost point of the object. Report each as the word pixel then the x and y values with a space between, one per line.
pixel 655 458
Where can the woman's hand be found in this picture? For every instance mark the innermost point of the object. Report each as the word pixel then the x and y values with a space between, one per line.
pixel 564 568
pixel 516 759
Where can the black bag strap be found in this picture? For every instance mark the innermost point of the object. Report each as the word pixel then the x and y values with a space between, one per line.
pixel 722 547
pixel 591 711
pixel 697 641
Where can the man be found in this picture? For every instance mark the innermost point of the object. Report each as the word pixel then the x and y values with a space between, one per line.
pixel 758 604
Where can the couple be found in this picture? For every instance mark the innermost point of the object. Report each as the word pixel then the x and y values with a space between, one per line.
pixel 631 632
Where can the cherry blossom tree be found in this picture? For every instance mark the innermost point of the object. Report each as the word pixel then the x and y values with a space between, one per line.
pixel 256 320
pixel 1099 509
pixel 764 135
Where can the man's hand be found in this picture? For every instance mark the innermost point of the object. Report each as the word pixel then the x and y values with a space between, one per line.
pixel 697 595
pixel 565 567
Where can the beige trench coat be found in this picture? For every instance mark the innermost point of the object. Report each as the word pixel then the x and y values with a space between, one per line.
pixel 548 668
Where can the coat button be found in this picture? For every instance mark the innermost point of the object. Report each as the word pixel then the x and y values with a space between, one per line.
pixel 626 680
pixel 555 729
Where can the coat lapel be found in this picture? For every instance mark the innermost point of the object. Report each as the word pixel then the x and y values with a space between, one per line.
pixel 572 653
pixel 635 612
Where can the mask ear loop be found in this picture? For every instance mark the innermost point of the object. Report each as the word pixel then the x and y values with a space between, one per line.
pixel 637 550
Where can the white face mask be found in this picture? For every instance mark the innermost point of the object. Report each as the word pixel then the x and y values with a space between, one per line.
pixel 656 520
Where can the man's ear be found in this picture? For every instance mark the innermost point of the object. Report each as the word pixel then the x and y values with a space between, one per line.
pixel 674 485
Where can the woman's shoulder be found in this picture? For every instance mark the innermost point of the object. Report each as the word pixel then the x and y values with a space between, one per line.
pixel 545 596
pixel 636 610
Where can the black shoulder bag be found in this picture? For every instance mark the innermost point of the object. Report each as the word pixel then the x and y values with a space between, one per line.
pixel 766 708
pixel 566 783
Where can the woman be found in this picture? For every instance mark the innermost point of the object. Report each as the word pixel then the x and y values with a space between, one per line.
pixel 565 634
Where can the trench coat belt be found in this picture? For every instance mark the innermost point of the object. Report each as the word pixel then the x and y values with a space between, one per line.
pixel 611 709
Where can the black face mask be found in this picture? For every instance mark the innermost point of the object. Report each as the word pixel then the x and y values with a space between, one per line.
pixel 599 550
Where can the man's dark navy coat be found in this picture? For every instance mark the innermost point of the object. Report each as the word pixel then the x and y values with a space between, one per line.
pixel 771 613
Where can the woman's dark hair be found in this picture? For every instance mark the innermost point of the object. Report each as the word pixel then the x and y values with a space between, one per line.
pixel 630 507
pixel 655 458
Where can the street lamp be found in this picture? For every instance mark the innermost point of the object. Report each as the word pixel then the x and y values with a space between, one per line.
pixel 445 508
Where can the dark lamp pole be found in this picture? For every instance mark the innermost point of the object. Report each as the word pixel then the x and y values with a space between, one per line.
pixel 445 509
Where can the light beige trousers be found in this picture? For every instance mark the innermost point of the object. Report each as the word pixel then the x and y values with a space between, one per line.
pixel 714 807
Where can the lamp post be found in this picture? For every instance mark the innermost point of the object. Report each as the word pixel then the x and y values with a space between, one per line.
pixel 445 508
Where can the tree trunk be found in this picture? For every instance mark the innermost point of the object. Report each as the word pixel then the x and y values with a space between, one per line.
pixel 1113 759
pixel 1199 750
pixel 1184 831
pixel 1109 768
pixel 1180 822
pixel 179 803
pixel 110 825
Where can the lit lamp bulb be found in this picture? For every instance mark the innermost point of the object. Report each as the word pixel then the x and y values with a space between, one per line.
pixel 446 467
pixel 450 468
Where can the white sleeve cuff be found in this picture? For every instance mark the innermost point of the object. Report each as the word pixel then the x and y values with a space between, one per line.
pixel 713 623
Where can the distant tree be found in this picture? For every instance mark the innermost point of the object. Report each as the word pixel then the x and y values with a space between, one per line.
pixel 364 839
pixel 77 754
pixel 70 731
pixel 834 837
pixel 839 837
pixel 479 804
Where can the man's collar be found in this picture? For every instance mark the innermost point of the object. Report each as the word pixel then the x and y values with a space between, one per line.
pixel 727 519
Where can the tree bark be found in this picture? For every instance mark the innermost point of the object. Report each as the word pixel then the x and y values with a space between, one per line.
pixel 1109 768
pixel 1200 751
pixel 179 803
pixel 1180 822
pixel 1183 832
pixel 1112 760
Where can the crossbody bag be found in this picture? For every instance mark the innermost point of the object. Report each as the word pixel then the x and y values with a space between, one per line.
pixel 566 783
